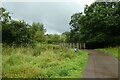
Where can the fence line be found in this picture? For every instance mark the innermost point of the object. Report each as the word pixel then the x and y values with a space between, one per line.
pixel 73 45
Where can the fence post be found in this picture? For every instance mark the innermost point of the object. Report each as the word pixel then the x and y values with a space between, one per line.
pixel 77 45
pixel 84 45
pixel 73 45
pixel 70 45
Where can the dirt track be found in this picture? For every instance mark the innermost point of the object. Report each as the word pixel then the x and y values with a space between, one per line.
pixel 100 65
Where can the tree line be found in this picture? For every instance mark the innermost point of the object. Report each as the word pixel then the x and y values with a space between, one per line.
pixel 19 32
pixel 98 26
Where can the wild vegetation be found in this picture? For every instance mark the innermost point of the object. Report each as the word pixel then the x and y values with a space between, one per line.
pixel 19 32
pixel 27 52
pixel 42 61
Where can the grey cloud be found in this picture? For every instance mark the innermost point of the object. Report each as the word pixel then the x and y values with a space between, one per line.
pixel 54 15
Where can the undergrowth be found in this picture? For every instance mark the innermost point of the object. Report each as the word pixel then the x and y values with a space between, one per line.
pixel 42 61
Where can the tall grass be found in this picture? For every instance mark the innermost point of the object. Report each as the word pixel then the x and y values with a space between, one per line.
pixel 0 60
pixel 42 61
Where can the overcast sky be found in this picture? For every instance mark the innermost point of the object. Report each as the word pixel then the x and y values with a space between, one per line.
pixel 54 15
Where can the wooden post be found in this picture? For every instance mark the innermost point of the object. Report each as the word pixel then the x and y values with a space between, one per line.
pixel 84 45
pixel 77 45
pixel 73 45
pixel 68 45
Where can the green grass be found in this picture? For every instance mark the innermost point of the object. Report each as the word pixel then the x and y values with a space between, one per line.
pixel 0 60
pixel 43 61
pixel 112 51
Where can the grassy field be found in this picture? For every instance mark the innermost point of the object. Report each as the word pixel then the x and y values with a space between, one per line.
pixel 112 51
pixel 42 61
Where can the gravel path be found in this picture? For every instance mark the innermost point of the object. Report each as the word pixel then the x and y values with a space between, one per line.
pixel 100 65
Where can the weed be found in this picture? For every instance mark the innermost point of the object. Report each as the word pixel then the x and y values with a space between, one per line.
pixel 42 62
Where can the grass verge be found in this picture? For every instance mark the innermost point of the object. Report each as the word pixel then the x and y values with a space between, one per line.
pixel 112 51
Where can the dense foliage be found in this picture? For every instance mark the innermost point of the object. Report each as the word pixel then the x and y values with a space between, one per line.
pixel 98 26
pixel 18 32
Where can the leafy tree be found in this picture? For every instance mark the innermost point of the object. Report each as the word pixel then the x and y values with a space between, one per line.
pixel 37 31
pixel 4 15
pixel 53 38
pixel 19 32
pixel 16 32
pixel 75 27
pixel 99 24
pixel 66 36
pixel 5 20
pixel 62 38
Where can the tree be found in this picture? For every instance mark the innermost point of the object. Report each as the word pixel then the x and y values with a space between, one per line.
pixel 4 15
pixel 75 27
pixel 18 31
pixel 37 31
pixel 52 38
pixel 5 20
pixel 99 24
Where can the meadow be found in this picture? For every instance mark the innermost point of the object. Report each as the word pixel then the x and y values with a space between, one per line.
pixel 42 61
